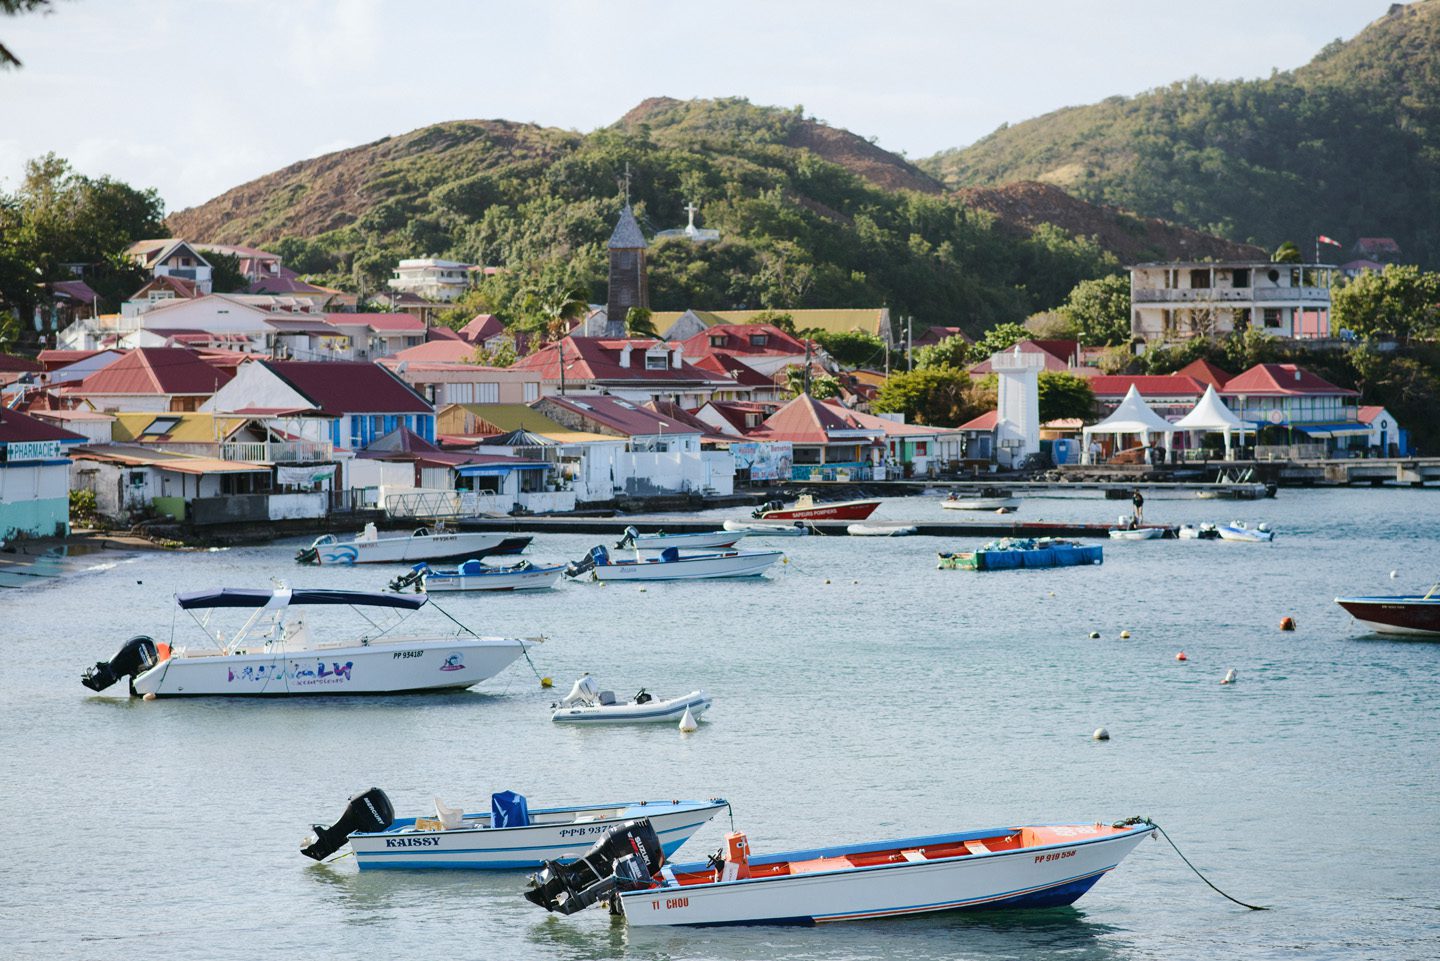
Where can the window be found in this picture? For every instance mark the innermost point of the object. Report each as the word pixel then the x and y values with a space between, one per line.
pixel 1241 277
pixel 759 340
pixel 1272 316
pixel 921 448
pixel 532 392
pixel 160 426
pixel 717 340
pixel 487 393
pixel 1199 279
pixel 656 361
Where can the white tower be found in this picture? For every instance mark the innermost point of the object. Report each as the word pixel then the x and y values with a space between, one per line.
pixel 1017 432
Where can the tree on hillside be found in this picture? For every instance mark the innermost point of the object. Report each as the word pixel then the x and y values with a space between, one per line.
pixel 1286 253
pixel 561 307
pixel 997 338
pixel 225 275
pixel 1400 302
pixel 12 8
pixel 1100 310
pixel 851 348
pixel 950 352
pixel 940 396
pixel 1065 395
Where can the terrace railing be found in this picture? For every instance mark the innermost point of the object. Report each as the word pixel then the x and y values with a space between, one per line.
pixel 278 452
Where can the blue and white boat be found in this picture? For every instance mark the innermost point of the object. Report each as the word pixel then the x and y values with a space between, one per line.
pixel 659 541
pixel 476 575
pixel 1240 531
pixel 1039 866
pixel 671 565
pixel 586 704
pixel 512 836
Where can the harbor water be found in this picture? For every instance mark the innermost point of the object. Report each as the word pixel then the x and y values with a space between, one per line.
pixel 860 693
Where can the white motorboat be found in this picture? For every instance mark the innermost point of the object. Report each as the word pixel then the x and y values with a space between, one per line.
pixel 880 529
pixel 273 654
pixel 476 575
pixel 1202 532
pixel 422 544
pixel 1136 533
pixel 768 528
pixel 702 540
pixel 671 565
pixel 989 499
pixel 1040 866
pixel 510 836
pixel 587 704
pixel 1238 531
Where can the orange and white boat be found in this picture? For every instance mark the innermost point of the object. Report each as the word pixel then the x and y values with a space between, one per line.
pixel 1037 866
pixel 806 509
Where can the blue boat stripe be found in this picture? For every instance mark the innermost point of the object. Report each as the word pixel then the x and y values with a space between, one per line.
pixel 401 852
pixel 669 849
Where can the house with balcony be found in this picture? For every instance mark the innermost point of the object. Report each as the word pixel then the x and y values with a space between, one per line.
pixel 130 481
pixel 1182 300
pixel 432 278
pixel 172 257
pixel 1296 404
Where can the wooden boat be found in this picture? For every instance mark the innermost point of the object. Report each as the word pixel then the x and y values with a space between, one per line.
pixel 587 704
pixel 273 653
pixel 1411 615
pixel 882 529
pixel 1011 553
pixel 476 575
pixel 989 499
pixel 422 544
pixel 1238 531
pixel 671 565
pixel 704 540
pixel 511 835
pixel 768 528
pixel 1038 866
pixel 807 509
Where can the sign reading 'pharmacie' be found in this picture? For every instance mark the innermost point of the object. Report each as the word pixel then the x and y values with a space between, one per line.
pixel 30 450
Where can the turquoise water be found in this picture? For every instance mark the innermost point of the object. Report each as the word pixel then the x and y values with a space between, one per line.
pixel 896 699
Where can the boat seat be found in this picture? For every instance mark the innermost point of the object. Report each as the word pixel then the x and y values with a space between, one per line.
pixel 914 854
pixel 606 698
pixel 821 864
pixel 449 818
pixel 976 847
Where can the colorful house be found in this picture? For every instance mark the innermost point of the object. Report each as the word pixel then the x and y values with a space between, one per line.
pixel 1288 396
pixel 830 443
pixel 34 477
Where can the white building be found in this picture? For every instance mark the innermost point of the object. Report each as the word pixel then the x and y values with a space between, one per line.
pixel 432 278
pixel 172 257
pixel 1183 300
pixel 34 477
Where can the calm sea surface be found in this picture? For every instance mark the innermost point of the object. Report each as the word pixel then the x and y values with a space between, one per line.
pixel 859 694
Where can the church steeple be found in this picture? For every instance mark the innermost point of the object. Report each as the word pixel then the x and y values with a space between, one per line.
pixel 628 284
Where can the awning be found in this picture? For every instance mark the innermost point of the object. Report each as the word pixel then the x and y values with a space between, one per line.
pixel 1347 429
pixel 250 597
pixel 479 470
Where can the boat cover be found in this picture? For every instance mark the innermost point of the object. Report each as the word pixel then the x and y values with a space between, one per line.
pixel 252 597
pixel 509 810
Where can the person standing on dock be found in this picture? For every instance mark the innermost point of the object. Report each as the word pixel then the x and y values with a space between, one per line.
pixel 1139 501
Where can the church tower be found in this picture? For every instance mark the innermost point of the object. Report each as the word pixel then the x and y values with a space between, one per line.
pixel 628 286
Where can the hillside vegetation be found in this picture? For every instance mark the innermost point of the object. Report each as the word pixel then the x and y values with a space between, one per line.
pixel 1347 146
pixel 810 216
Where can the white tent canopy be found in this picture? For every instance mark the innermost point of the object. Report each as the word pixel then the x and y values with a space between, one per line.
pixel 1133 416
pixel 1211 414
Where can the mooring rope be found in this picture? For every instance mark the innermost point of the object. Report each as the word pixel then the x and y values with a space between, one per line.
pixel 1137 820
pixel 523 645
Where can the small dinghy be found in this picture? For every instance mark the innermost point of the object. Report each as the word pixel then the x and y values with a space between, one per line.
pixel 511 835
pixel 671 565
pixel 1204 532
pixel 989 499
pixel 768 528
pixel 476 575
pixel 1136 533
pixel 422 544
pixel 1238 531
pixel 881 529
pixel 587 704
pixel 1041 866
pixel 704 540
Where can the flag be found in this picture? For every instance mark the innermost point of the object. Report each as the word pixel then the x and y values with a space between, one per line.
pixel 1322 239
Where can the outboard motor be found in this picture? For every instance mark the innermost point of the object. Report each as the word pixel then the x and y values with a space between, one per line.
pixel 767 506
pixel 366 812
pixel 415 578
pixel 136 656
pixel 625 860
pixel 598 556
pixel 628 540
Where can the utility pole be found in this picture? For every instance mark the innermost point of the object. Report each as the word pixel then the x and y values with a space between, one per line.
pixel 909 343
pixel 805 380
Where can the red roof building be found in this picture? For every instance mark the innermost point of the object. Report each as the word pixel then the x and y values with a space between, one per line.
pixel 933 335
pixel 1286 395
pixel 153 378
pixel 822 435
pixel 618 417
pixel 481 328
pixel 1172 396
pixel 638 369
pixel 1206 373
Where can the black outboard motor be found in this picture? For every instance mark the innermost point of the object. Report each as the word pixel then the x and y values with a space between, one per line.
pixel 767 506
pixel 136 656
pixel 415 579
pixel 598 555
pixel 367 811
pixel 629 539
pixel 625 860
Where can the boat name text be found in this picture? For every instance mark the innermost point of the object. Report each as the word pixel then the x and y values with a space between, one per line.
pixel 1054 856
pixel 412 842
pixel 401 654
pixel 670 904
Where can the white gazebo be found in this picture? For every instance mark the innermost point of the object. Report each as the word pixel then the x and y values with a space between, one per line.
pixel 1133 416
pixel 1211 414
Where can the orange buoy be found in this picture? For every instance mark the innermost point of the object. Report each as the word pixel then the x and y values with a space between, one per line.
pixel 1287 623
pixel 1181 657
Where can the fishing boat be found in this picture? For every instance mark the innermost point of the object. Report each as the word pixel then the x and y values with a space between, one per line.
pixel 1238 531
pixel 989 499
pixel 587 704
pixel 1039 866
pixel 807 509
pixel 881 529
pixel 703 540
pixel 1202 532
pixel 1412 615
pixel 476 575
pixel 1011 553
pixel 274 654
pixel 422 544
pixel 768 528
pixel 671 565
pixel 1136 533
pixel 511 835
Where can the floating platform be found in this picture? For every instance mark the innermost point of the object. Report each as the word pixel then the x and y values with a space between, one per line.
pixel 1010 554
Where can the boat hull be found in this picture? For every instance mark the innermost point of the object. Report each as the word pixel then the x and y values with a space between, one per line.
pixel 1141 534
pixel 485 849
pixel 982 504
pixel 401 666
pixel 744 564
pixel 841 511
pixel 1401 616
pixel 1246 535
pixel 655 712
pixel 535 579
pixel 1032 877
pixel 762 529
pixel 881 530
pixel 413 548
pixel 708 540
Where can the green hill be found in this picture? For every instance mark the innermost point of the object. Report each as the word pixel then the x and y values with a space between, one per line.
pixel 810 216
pixel 1347 146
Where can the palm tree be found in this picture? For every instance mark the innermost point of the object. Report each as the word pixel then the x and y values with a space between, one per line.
pixel 639 322
pixel 561 307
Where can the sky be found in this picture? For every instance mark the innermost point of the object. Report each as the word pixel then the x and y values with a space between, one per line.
pixel 195 97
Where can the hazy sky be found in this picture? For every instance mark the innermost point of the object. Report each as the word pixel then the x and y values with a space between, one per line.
pixel 199 96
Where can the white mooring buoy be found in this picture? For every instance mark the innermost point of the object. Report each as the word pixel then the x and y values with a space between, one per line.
pixel 1100 734
pixel 1229 677
pixel 687 723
